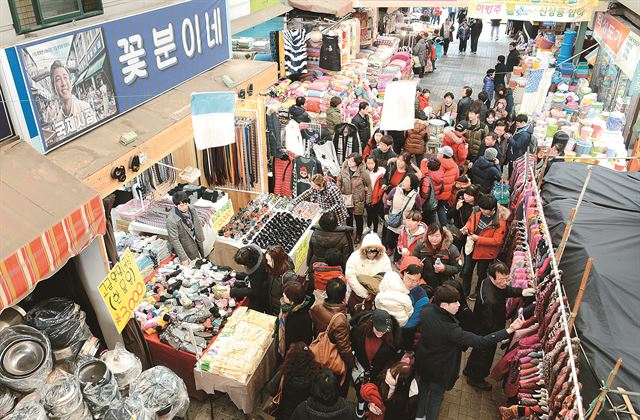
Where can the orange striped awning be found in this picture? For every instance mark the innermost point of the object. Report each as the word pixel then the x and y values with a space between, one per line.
pixel 47 216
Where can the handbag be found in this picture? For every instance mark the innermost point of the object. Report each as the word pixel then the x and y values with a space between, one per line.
pixel 271 408
pixel 326 353
pixel 348 200
pixel 395 219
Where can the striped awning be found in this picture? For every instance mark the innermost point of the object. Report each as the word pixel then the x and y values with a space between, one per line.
pixel 47 216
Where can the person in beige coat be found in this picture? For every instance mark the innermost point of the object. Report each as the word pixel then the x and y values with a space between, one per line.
pixel 355 185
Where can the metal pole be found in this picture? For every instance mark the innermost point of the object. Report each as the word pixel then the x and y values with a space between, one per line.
pixel 582 30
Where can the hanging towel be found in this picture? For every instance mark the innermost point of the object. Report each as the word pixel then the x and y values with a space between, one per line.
pixel 399 105
pixel 213 119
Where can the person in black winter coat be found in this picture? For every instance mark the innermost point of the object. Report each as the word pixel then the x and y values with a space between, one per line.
pixel 490 315
pixel 519 143
pixel 460 212
pixel 476 30
pixel 324 403
pixel 294 321
pixel 298 370
pixel 326 235
pixel 491 141
pixel 256 290
pixel 485 170
pixel 440 349
pixel 363 123
pixel 464 104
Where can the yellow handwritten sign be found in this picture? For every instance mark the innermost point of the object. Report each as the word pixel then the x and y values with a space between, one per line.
pixel 123 289
pixel 300 255
pixel 222 217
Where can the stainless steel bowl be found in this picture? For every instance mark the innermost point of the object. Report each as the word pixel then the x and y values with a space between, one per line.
pixel 23 357
pixel 93 372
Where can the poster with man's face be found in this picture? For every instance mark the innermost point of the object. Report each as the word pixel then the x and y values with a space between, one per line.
pixel 71 85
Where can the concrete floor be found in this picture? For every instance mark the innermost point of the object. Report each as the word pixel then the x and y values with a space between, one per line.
pixel 463 402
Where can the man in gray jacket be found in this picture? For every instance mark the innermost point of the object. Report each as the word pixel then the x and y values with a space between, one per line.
pixel 184 230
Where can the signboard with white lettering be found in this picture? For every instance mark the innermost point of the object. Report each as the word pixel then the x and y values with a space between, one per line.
pixel 78 80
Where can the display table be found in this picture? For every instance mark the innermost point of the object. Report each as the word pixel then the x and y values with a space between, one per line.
pixel 226 248
pixel 223 213
pixel 227 373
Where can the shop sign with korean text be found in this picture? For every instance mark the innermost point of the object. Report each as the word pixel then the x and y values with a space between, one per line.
pixel 123 289
pixel 410 3
pixel 533 10
pixel 622 42
pixel 77 80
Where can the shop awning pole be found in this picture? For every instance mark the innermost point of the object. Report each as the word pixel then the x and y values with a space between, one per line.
pixel 603 392
pixel 583 285
pixel 572 216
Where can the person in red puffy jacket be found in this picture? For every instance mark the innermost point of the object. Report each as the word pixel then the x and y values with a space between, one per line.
pixel 451 173
pixel 432 170
pixel 455 139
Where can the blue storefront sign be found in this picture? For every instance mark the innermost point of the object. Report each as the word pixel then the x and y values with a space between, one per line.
pixel 72 82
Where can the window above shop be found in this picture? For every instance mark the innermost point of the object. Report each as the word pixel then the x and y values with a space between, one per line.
pixel 31 15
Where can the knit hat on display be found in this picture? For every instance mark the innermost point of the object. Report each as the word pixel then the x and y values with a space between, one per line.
pixel 490 154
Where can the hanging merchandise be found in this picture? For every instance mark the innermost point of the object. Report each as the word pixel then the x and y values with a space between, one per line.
pixel 330 53
pixel 311 134
pixel 304 168
pixel 282 170
pixel 295 51
pixel 212 117
pixel 237 165
pixel 325 153
pixel 399 105
pixel 346 141
pixel 293 141
pixel 274 133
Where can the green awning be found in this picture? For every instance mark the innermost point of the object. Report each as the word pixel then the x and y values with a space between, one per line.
pixel 95 67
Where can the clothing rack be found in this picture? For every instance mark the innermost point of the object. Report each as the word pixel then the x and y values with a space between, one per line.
pixel 239 166
pixel 560 291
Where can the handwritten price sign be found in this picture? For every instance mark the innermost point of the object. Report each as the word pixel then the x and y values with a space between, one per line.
pixel 123 289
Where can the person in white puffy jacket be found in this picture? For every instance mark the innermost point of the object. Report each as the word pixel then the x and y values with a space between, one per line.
pixel 369 260
pixel 394 298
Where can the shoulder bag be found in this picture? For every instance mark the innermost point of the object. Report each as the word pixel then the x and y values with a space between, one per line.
pixel 326 353
pixel 395 219
pixel 272 406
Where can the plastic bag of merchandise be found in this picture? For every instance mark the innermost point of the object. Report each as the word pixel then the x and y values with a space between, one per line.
pixel 127 408
pixel 20 374
pixel 7 400
pixel 124 365
pixel 62 397
pixel 162 392
pixel 62 320
pixel 29 408
pixel 98 385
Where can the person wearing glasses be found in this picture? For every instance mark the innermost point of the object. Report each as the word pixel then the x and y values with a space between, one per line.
pixel 184 230
pixel 370 260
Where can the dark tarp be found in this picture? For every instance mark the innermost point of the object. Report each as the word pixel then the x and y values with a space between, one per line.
pixel 606 228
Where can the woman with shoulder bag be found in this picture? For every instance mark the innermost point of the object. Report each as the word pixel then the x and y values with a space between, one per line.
pixel 278 263
pixel 292 382
pixel 355 185
pixel 400 201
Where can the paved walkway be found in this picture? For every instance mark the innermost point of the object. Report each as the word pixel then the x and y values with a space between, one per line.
pixel 463 402
pixel 455 71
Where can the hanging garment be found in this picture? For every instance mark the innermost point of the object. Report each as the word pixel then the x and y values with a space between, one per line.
pixel 282 170
pixel 274 134
pixel 346 141
pixel 295 51
pixel 325 153
pixel 293 138
pixel 303 169
pixel 330 53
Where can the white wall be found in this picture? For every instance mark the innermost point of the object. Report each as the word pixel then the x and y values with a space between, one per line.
pixel 112 9
pixel 92 270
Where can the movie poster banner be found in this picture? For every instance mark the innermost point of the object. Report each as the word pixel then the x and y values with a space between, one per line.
pixel 533 10
pixel 80 79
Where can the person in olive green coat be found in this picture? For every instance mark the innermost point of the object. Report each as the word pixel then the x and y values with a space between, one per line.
pixel 355 185
pixel 333 115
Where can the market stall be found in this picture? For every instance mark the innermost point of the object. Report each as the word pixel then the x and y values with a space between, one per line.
pixel 267 221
